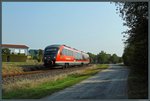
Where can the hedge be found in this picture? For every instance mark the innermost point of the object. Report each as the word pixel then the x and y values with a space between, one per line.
pixel 14 58
pixel 4 58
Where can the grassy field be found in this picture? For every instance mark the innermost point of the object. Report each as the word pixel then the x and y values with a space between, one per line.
pixel 137 84
pixel 19 67
pixel 44 87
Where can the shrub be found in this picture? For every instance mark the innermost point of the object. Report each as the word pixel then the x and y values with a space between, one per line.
pixel 14 58
pixel 4 58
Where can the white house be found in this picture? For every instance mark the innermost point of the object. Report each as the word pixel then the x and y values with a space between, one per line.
pixel 23 49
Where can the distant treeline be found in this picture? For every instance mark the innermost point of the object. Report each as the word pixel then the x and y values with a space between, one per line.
pixel 104 58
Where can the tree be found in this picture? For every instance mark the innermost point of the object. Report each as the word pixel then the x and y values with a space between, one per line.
pixel 108 58
pixel 102 57
pixel 40 55
pixel 5 51
pixel 120 60
pixel 92 57
pixel 135 15
pixel 114 58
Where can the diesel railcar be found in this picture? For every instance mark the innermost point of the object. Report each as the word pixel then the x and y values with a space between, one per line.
pixel 65 56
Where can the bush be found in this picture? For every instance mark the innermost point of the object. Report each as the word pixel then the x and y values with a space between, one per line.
pixel 4 58
pixel 14 58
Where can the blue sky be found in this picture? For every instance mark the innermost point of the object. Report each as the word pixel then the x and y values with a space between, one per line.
pixel 87 26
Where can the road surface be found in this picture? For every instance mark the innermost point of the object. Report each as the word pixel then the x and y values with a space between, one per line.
pixel 110 83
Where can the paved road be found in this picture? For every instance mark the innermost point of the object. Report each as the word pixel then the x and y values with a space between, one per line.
pixel 107 84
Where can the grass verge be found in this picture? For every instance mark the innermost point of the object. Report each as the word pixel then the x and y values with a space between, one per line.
pixel 19 67
pixel 41 89
pixel 137 84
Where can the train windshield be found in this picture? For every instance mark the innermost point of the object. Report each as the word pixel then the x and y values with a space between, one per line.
pixel 51 51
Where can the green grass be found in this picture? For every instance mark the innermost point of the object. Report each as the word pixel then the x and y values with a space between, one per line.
pixel 18 67
pixel 43 89
pixel 137 84
pixel 48 87
pixel 102 66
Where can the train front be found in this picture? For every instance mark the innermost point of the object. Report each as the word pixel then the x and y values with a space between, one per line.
pixel 50 54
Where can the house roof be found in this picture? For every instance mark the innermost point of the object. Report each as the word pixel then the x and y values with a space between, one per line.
pixel 14 46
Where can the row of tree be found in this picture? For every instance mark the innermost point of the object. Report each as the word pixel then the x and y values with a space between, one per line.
pixel 135 15
pixel 104 58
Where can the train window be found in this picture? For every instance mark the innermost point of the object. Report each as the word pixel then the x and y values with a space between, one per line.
pixel 64 52
pixel 71 53
pixel 51 50
pixel 76 55
pixel 67 52
pixel 79 56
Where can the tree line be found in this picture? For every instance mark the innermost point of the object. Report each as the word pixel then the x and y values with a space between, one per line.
pixel 104 58
pixel 135 15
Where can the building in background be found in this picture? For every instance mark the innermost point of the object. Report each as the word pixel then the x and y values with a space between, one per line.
pixel 15 49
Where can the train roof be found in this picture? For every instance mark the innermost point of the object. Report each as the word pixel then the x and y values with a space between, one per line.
pixel 55 45
pixel 75 49
pixel 58 45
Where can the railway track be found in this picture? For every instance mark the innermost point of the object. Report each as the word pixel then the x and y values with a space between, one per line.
pixel 33 75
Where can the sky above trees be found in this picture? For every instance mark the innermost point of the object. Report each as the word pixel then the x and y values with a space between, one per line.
pixel 87 26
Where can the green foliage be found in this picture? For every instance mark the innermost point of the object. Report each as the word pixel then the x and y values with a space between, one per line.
pixel 114 58
pixel 135 15
pixel 4 57
pixel 40 55
pixel 92 57
pixel 128 55
pixel 5 51
pixel 102 66
pixel 14 58
pixel 104 58
pixel 36 54
pixel 137 84
pixel 33 54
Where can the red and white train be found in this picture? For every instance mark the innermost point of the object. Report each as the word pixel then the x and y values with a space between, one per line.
pixel 65 56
